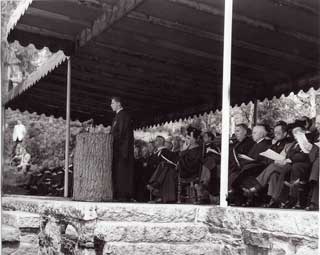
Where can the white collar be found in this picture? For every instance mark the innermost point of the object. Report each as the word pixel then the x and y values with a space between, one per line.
pixel 119 110
pixel 160 149
pixel 260 140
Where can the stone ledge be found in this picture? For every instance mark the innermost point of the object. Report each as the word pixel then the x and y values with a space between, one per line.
pixel 150 232
pixel 292 222
pixel 9 234
pixel 21 219
pixel 123 248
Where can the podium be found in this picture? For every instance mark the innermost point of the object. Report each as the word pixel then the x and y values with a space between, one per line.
pixel 92 166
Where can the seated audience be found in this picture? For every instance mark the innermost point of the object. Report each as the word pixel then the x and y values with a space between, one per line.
pixel 269 176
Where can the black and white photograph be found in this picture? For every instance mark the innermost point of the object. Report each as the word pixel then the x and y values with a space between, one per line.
pixel 160 127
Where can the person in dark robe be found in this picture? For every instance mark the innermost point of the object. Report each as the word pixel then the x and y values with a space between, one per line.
pixel 162 183
pixel 190 159
pixel 143 172
pixel 253 164
pixel 208 186
pixel 268 178
pixel 242 145
pixel 314 179
pixel 123 156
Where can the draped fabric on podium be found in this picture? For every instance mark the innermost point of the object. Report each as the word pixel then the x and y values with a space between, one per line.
pixel 123 160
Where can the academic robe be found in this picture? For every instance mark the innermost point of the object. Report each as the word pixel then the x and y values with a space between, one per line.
pixel 164 177
pixel 242 147
pixel 123 159
pixel 251 169
pixel 190 162
pixel 209 178
pixel 143 172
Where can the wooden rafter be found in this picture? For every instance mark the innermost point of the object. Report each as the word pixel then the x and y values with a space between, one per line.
pixel 217 37
pixel 107 19
pixel 56 16
pixel 140 37
pixel 200 6
pixel 297 5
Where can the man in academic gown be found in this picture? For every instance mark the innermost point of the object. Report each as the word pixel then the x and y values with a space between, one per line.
pixel 123 156
pixel 243 145
pixel 253 164
pixel 162 183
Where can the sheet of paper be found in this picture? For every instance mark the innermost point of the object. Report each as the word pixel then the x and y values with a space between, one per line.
pixel 243 156
pixel 272 155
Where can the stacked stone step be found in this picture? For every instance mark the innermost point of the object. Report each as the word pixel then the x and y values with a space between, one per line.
pixel 71 227
pixel 19 232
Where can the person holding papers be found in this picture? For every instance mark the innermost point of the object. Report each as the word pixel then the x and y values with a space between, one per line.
pixel 275 156
pixel 242 146
pixel 253 164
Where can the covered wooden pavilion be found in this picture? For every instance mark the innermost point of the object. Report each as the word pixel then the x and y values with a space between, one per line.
pixel 165 57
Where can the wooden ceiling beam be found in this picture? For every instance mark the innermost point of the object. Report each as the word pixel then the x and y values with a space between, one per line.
pixel 203 7
pixel 79 94
pixel 135 55
pixel 154 80
pixel 195 52
pixel 142 17
pixel 118 10
pixel 56 16
pixel 294 4
pixel 45 32
pixel 79 79
pixel 148 68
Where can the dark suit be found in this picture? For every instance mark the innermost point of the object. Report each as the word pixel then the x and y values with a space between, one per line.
pixel 123 159
pixel 298 169
pixel 269 176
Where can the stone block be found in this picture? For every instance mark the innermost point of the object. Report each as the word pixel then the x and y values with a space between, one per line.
pixel 146 212
pixel 27 249
pixel 29 238
pixel 150 232
pixel 122 248
pixel 10 234
pixel 21 219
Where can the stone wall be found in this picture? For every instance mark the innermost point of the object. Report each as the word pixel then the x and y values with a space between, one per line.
pixel 69 227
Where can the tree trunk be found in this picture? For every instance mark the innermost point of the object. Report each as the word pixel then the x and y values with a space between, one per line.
pixel 92 167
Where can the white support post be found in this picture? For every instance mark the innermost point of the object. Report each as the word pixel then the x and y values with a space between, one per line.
pixel 66 164
pixel 227 42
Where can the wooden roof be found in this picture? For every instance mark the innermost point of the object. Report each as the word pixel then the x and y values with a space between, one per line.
pixel 164 57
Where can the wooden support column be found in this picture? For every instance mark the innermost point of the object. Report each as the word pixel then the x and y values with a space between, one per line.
pixel 226 102
pixel 66 163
